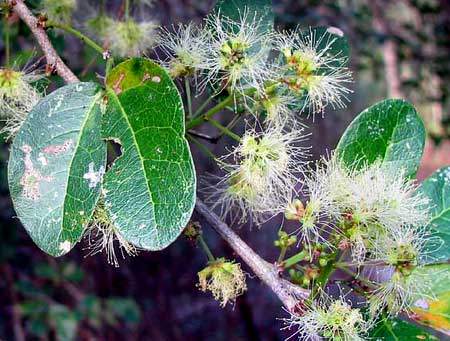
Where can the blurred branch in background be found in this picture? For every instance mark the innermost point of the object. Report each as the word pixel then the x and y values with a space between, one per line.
pixel 389 50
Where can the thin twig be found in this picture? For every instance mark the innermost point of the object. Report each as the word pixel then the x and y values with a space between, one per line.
pixel 53 59
pixel 287 292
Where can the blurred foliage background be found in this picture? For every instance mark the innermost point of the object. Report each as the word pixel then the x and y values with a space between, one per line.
pixel 399 49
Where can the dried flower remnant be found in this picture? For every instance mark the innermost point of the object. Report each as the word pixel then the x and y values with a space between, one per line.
pixel 225 279
pixel 102 235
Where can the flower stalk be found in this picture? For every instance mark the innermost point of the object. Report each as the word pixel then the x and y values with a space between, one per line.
pixel 210 113
pixel 206 248
pixel 224 130
pixel 76 33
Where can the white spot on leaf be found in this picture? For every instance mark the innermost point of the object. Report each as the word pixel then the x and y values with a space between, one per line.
pixel 65 246
pixel 42 159
pixel 94 177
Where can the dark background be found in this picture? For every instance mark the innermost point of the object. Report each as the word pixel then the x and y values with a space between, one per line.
pixel 154 296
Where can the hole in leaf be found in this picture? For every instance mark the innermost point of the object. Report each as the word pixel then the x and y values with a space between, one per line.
pixel 114 151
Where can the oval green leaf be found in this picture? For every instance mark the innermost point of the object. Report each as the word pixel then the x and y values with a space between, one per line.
pixel 150 189
pixel 258 9
pixel 390 131
pixel 437 189
pixel 56 166
pixel 434 309
pixel 399 330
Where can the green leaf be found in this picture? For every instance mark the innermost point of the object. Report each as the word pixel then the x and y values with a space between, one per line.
pixel 259 9
pixel 390 131
pixel 437 189
pixel 398 330
pixel 55 166
pixel 434 309
pixel 150 189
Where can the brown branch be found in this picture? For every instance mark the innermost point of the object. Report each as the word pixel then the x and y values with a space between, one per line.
pixel 53 59
pixel 287 292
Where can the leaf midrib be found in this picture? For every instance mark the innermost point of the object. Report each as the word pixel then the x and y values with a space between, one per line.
pixel 123 112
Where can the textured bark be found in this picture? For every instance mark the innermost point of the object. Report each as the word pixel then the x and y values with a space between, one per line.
pixel 287 292
pixel 54 61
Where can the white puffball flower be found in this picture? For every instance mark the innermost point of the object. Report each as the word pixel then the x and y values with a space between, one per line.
pixel 238 53
pixel 186 50
pixel 312 70
pixel 317 214
pixel 366 201
pixel 130 38
pixel 379 194
pixel 328 319
pixel 402 250
pixel 399 294
pixel 260 174
pixel 279 109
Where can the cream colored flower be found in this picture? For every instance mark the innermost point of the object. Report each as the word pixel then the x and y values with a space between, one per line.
pixel 224 279
pixel 102 235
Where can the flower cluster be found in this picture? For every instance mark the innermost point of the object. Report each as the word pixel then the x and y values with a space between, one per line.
pixel 374 212
pixel 225 279
pixel 260 173
pixel 367 205
pixel 272 75
pixel 186 50
pixel 233 56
